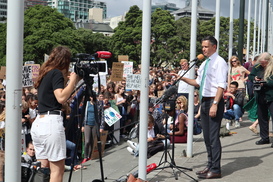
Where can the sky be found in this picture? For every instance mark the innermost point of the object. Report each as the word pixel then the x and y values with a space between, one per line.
pixel 119 7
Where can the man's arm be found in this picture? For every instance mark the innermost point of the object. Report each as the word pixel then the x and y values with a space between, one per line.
pixel 190 81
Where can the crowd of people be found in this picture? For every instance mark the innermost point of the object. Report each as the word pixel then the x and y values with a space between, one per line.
pixel 59 112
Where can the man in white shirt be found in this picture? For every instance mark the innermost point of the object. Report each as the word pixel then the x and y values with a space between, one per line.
pixel 212 80
pixel 183 87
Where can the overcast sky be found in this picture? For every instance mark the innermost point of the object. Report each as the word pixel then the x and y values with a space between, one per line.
pixel 119 7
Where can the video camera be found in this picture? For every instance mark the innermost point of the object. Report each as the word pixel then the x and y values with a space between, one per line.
pixel 257 85
pixel 85 64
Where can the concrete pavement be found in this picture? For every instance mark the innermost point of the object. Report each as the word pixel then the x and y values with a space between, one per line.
pixel 242 161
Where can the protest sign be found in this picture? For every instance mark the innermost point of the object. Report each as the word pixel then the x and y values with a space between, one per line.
pixel 27 76
pixel 35 71
pixel 128 68
pixel 102 81
pixel 123 58
pixel 117 72
pixel 133 81
pixel 111 116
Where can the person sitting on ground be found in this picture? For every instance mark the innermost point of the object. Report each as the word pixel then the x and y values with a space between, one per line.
pixel 179 128
pixel 156 141
pixel 234 104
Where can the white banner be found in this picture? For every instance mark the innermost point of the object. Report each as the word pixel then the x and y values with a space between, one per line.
pixel 127 68
pixel 111 116
pixel 27 76
pixel 133 81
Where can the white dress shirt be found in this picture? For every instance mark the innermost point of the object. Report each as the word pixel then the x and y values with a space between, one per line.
pixel 216 75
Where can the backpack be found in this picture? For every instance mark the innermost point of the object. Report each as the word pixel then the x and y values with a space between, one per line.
pixel 197 128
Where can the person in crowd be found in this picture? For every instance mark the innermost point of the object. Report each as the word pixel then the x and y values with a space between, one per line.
pixel 32 101
pixel 89 129
pixel 249 84
pixel 183 87
pixel 234 103
pixel 212 78
pixel 47 131
pixel 110 89
pixel 29 155
pixel 262 77
pixel 122 104
pixel 179 127
pixel 155 139
pixel 157 116
pixel 152 97
pixel 196 102
pixel 3 97
pixel 237 73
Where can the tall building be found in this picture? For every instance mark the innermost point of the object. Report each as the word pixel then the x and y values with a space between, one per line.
pixel 203 14
pixel 3 8
pixel 30 3
pixel 169 7
pixel 77 10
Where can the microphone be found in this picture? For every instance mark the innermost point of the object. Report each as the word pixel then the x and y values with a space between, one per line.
pixel 103 54
pixel 198 58
pixel 168 93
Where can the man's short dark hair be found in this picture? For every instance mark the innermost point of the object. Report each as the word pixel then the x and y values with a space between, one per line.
pixel 212 40
pixel 234 83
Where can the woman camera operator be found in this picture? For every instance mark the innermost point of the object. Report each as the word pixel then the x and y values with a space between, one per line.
pixel 262 76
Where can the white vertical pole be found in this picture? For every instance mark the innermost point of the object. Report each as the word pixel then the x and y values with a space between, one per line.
pixel 192 73
pixel 248 30
pixel 255 30
pixel 14 62
pixel 231 29
pixel 217 23
pixel 259 28
pixel 263 27
pixel 145 62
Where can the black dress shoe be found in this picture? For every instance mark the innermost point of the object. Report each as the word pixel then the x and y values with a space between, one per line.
pixel 204 171
pixel 263 141
pixel 210 175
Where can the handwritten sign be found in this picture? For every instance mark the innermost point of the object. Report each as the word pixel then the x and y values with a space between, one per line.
pixel 117 71
pixel 35 71
pixel 102 81
pixel 128 68
pixel 133 81
pixel 27 76
pixel 111 116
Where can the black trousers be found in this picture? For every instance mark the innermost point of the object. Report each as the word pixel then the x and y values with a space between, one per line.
pixel 263 115
pixel 211 129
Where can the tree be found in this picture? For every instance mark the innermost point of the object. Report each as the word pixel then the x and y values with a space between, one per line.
pixel 46 28
pixel 3 42
pixel 127 37
pixel 165 45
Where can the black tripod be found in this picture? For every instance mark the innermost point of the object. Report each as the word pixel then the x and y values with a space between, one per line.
pixel 87 93
pixel 166 153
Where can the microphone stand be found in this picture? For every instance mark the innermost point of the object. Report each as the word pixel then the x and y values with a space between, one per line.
pixel 166 152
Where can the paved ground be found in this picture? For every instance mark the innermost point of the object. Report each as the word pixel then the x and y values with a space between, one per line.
pixel 242 161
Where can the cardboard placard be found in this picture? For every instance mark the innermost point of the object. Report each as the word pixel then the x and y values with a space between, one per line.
pixel 95 151
pixel 117 72
pixel 123 58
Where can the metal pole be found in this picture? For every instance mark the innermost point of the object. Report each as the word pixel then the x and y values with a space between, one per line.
pixel 231 29
pixel 255 30
pixel 241 30
pixel 15 27
pixel 266 26
pixel 217 22
pixel 248 30
pixel 192 73
pixel 145 61
pixel 259 28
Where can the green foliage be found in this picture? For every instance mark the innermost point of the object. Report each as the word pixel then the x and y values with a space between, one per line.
pixel 127 37
pixel 45 28
pixel 3 42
